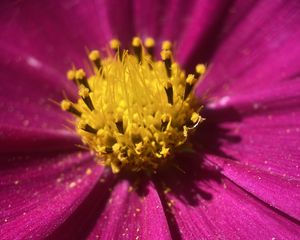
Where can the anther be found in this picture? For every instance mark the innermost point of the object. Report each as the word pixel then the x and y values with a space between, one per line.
pixel 106 150
pixel 165 119
pixel 94 56
pixel 71 75
pixel 166 45
pixel 88 128
pixel 120 127
pixel 166 56
pixel 169 92
pixel 200 70
pixel 85 95
pixel 194 121
pixel 190 81
pixel 137 48
pixel 68 106
pixel 81 78
pixel 150 44
pixel 115 44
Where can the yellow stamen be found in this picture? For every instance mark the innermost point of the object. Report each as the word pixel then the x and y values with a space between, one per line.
pixel 94 55
pixel 195 117
pixel 136 42
pixel 190 81
pixel 80 74
pixel 66 105
pixel 166 45
pixel 149 42
pixel 135 116
pixel 81 78
pixel 71 75
pixel 137 47
pixel 166 56
pixel 115 44
pixel 85 94
pixel 200 70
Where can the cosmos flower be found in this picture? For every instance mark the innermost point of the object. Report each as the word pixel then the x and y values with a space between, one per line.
pixel 239 179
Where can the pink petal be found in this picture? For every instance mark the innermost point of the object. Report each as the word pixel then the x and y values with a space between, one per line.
pixel 29 120
pixel 281 192
pixel 22 140
pixel 266 160
pixel 54 33
pixel 79 224
pixel 207 206
pixel 39 192
pixel 268 128
pixel 198 38
pixel 27 88
pixel 132 215
pixel 257 52
pixel 186 23
pixel 207 23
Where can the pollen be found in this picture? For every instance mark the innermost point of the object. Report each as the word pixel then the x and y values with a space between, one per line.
pixel 134 111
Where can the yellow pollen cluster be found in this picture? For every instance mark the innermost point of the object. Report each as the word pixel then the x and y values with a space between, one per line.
pixel 133 111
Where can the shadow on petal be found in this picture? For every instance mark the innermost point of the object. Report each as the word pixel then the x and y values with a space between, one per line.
pixel 83 219
pixel 213 132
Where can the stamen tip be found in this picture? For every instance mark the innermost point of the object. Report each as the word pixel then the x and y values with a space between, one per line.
pixel 83 91
pixel 200 69
pixel 115 44
pixel 65 105
pixel 94 55
pixel 195 117
pixel 136 42
pixel 149 42
pixel 165 54
pixel 190 79
pixel 166 45
pixel 80 74
pixel 71 74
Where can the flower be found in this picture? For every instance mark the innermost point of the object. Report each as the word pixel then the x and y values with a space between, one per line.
pixel 241 180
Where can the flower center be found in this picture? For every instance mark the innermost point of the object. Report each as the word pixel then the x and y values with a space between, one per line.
pixel 134 111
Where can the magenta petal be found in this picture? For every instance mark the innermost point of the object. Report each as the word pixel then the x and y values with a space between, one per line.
pixel 207 23
pixel 266 160
pixel 258 51
pixel 39 192
pixel 281 192
pixel 27 90
pixel 22 140
pixel 27 116
pixel 56 33
pixel 230 214
pixel 130 216
pixel 29 120
pixel 268 128
pixel 203 20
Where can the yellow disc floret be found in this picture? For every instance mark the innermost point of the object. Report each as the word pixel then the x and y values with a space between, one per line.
pixel 133 112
